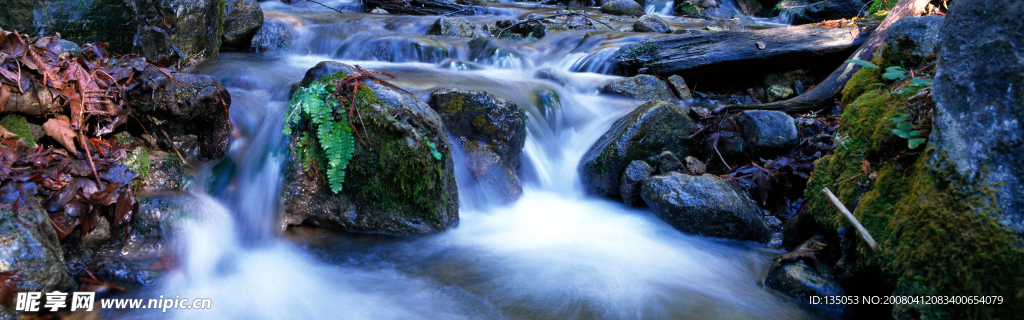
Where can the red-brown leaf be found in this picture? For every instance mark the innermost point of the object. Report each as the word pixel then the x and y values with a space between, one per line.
pixel 8 287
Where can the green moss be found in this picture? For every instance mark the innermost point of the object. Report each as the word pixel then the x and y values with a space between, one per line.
pixel 937 232
pixel 123 137
pixel 689 9
pixel 881 6
pixel 221 15
pixel 138 161
pixel 643 51
pixel 18 125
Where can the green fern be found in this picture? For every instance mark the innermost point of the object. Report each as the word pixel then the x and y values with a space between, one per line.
pixel 315 104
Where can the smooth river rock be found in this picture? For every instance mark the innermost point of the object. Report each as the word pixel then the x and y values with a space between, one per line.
pixel 704 205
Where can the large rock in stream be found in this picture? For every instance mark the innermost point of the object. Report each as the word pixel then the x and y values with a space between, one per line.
pixel 400 182
pixel 492 131
pixel 704 205
pixel 646 131
pixel 979 99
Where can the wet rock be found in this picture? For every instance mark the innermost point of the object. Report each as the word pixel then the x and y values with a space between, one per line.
pixel 828 10
pixel 978 100
pixel 379 11
pixel 398 48
pixel 629 187
pixel 806 272
pixel 651 23
pixel 452 28
pixel 272 36
pixel 622 8
pixel 719 24
pixel 777 92
pixel 771 130
pixel 402 184
pixel 459 65
pixel 191 109
pixel 242 19
pixel 704 205
pixel 32 251
pixel 322 69
pixel 551 74
pixel 789 79
pixel 491 130
pixel 646 131
pixel 196 37
pixel 495 53
pixel 668 162
pixel 517 30
pixel 642 87
pixel 690 9
pixel 70 48
pixel 911 40
pixel 678 86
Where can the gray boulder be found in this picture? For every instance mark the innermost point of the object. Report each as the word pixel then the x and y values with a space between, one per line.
pixel 678 85
pixel 452 28
pixel 401 182
pixel 32 252
pixel 645 132
pixel 242 19
pixel 272 36
pixel 979 101
pixel 622 8
pixel 192 109
pixel 668 162
pixel 772 130
pixel 806 272
pixel 491 130
pixel 911 40
pixel 704 205
pixel 651 23
pixel 629 187
pixel 642 87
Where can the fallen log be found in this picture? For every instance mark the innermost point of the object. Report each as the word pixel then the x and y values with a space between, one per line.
pixel 822 94
pixel 674 54
pixel 419 7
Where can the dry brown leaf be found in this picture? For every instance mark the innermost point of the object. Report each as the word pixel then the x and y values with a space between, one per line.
pixel 865 166
pixel 5 94
pixel 60 130
pixel 4 133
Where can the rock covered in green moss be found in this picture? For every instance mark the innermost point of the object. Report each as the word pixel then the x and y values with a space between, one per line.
pixel 400 182
pixel 32 251
pixel 646 131
pixel 492 132
pixel 20 126
pixel 911 40
pixel 704 205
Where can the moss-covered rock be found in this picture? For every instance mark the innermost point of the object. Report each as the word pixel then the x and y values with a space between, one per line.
pixel 400 181
pixel 491 130
pixel 32 251
pixel 648 130
pixel 20 126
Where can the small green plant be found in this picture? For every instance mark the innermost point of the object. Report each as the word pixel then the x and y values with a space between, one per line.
pixel 904 129
pixel 895 73
pixel 862 63
pixel 316 105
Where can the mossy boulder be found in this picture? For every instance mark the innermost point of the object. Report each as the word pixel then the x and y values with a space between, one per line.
pixel 400 182
pixel 448 27
pixel 32 251
pixel 704 205
pixel 912 40
pixel 26 131
pixel 492 132
pixel 645 132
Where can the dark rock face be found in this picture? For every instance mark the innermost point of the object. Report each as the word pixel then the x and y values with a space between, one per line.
pixel 648 130
pixel 517 30
pixel 31 250
pixel 272 36
pixel 642 87
pixel 193 33
pixel 651 23
pixel 403 184
pixel 806 272
pixel 192 110
pixel 452 28
pixel 704 205
pixel 629 187
pixel 912 39
pixel 622 8
pixel 829 10
pixel 491 130
pixel 242 19
pixel 979 99
pixel 771 130
pixel 668 162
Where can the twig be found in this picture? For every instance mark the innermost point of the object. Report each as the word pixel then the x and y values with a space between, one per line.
pixel 715 145
pixel 171 142
pixel 85 145
pixel 325 6
pixel 856 224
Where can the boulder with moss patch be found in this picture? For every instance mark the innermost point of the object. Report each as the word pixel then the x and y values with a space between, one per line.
pixel 31 251
pixel 400 181
pixel 492 132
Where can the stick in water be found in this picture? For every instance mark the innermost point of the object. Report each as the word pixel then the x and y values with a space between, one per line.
pixel 856 224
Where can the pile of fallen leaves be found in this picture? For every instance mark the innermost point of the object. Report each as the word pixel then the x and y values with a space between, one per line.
pixel 80 101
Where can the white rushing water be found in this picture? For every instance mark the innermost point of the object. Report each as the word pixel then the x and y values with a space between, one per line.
pixel 556 253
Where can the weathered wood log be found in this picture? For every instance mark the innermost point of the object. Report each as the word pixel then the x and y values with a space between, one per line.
pixel 673 54
pixel 822 94
pixel 419 7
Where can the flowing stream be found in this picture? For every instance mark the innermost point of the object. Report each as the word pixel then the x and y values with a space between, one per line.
pixel 556 253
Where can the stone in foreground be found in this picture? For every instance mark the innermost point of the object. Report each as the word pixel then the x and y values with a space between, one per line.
pixel 704 205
